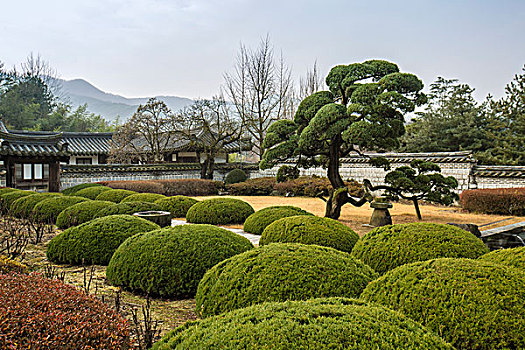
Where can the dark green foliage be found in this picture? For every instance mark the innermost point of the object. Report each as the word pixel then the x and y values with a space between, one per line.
pixel 23 207
pixel 472 304
pixel 143 197
pixel 219 211
pixel 48 210
pixel 385 248
pixel 7 190
pixel 508 257
pixel 325 323
pixel 91 192
pixel 310 230
pixel 94 242
pixel 9 197
pixel 79 213
pixel 280 272
pixel 177 205
pixel 287 173
pixel 115 196
pixel 182 187
pixel 257 222
pixel 505 201
pixel 172 260
pixel 235 176
pixel 70 191
pixel 127 208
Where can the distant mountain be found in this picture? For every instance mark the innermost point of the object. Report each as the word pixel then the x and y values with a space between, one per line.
pixel 78 92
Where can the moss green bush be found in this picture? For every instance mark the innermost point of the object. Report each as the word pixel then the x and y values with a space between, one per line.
pixel 94 242
pixel 508 257
pixel 325 323
pixel 70 191
pixel 7 190
pixel 287 173
pixel 92 192
pixel 310 230
pixel 173 259
pixel 387 247
pixel 280 272
pixel 23 207
pixel 79 213
pixel 219 211
pixel 7 199
pixel 115 196
pixel 177 205
pixel 235 176
pixel 257 222
pixel 143 197
pixel 472 304
pixel 127 208
pixel 49 209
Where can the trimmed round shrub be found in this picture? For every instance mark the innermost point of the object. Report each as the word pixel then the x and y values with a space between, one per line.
pixel 143 197
pixel 325 323
pixel 257 222
pixel 7 190
pixel 127 208
pixel 49 209
pixel 173 259
pixel 92 192
pixel 287 173
pixel 177 205
pixel 235 176
pixel 115 196
pixel 70 191
pixel 472 304
pixel 280 272
pixel 94 242
pixel 219 211
pixel 7 199
pixel 23 207
pixel 79 213
pixel 387 247
pixel 508 257
pixel 310 230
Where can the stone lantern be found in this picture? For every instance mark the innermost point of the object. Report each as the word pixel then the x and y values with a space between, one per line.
pixel 380 215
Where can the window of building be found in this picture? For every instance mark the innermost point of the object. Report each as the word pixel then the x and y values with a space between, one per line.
pixel 28 172
pixel 84 161
pixel 31 172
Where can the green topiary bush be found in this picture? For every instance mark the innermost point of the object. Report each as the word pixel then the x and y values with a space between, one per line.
pixel 127 208
pixel 94 242
pixel 287 173
pixel 508 257
pixel 115 196
pixel 173 259
pixel 23 207
pixel 235 176
pixel 472 304
pixel 4 190
pixel 310 230
pixel 143 197
pixel 92 192
pixel 387 247
pixel 219 211
pixel 70 191
pixel 49 209
pixel 7 199
pixel 177 205
pixel 325 323
pixel 280 272
pixel 257 222
pixel 79 213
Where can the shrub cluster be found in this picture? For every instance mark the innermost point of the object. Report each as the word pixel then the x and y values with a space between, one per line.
pixel 310 230
pixel 70 191
pixel 8 265
pixel 326 323
pixel 219 211
pixel 262 186
pixel 115 196
pixel 177 205
pixel 173 259
pixel 280 272
pixel 9 197
pixel 23 207
pixel 387 247
pixel 472 304
pixel 184 187
pixel 48 210
pixel 94 242
pixel 143 197
pixel 504 201
pixel 7 189
pixel 40 313
pixel 287 173
pixel 91 192
pixel 508 257
pixel 235 176
pixel 79 213
pixel 257 222
pixel 127 208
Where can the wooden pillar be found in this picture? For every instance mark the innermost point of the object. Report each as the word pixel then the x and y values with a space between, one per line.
pixel 54 176
pixel 9 173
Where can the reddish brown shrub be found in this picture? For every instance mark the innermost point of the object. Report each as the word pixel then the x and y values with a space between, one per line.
pixel 40 313
pixel 310 186
pixel 506 201
pixel 183 187
pixel 262 186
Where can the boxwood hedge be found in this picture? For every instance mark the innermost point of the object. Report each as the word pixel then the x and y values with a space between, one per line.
pixel 79 213
pixel 257 222
pixel 49 209
pixel 115 196
pixel 310 230
pixel 143 197
pixel 127 208
pixel 70 191
pixel 92 192
pixel 173 259
pixel 7 199
pixel 387 247
pixel 508 257
pixel 235 176
pixel 7 190
pixel 23 207
pixel 219 211
pixel 330 323
pixel 94 242
pixel 177 205
pixel 472 304
pixel 280 272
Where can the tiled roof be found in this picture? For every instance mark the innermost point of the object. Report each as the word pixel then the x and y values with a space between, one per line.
pixel 88 144
pixel 499 171
pixel 436 157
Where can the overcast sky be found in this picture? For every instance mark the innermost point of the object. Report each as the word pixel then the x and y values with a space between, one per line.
pixel 183 47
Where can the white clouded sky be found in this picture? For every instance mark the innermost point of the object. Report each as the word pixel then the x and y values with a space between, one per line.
pixel 183 47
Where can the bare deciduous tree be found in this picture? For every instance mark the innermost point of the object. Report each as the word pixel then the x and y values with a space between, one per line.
pixel 311 83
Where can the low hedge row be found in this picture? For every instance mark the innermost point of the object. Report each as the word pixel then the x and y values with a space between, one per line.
pixel 504 201
pixel 127 208
pixel 9 197
pixel 115 196
pixel 219 211
pixel 143 197
pixel 262 186
pixel 70 191
pixel 48 210
pixel 23 207
pixel 91 192
pixel 79 213
pixel 258 221
pixel 184 187
pixel 178 206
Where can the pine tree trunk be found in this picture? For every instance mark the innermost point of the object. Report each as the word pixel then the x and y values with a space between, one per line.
pixel 416 206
